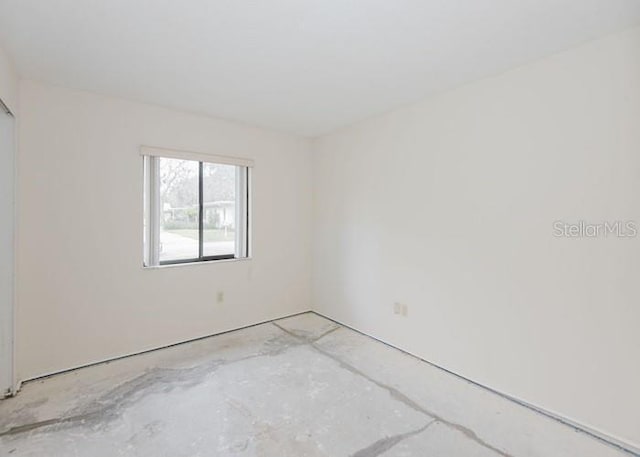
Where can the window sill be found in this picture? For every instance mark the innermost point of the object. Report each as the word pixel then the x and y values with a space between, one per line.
pixel 189 264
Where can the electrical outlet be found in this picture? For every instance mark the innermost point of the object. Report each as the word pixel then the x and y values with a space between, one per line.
pixel 400 309
pixel 220 297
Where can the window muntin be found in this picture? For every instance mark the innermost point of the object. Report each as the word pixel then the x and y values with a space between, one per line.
pixel 194 211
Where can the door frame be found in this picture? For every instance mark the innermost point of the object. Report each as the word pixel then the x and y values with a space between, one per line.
pixel 8 383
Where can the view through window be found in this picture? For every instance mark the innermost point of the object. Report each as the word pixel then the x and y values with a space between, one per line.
pixel 196 211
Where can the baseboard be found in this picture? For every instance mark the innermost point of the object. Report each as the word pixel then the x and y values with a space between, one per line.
pixel 593 432
pixel 145 351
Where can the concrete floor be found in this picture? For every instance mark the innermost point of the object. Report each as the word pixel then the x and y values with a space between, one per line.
pixel 301 386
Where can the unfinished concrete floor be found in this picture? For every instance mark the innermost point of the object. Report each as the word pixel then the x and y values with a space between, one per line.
pixel 300 386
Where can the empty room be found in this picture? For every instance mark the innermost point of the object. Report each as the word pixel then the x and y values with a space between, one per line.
pixel 320 228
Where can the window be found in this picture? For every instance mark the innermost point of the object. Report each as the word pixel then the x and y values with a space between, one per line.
pixel 196 208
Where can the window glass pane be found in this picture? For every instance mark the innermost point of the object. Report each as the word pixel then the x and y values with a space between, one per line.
pixel 219 206
pixel 179 209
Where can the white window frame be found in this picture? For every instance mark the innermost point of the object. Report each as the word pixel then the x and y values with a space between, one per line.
pixel 152 210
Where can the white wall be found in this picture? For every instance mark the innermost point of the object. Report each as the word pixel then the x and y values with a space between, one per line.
pixel 83 294
pixel 9 96
pixel 448 205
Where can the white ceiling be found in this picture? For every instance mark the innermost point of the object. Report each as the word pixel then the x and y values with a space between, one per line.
pixel 301 66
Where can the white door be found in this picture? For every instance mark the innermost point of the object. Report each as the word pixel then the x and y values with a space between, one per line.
pixel 7 265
